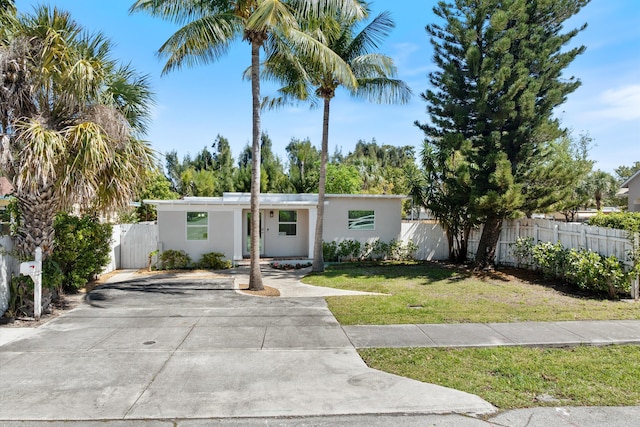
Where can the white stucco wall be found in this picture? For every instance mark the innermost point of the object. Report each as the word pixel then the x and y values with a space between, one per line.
pixel 173 232
pixel 8 267
pixel 387 226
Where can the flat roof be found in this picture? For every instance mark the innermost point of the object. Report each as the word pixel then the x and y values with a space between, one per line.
pixel 268 199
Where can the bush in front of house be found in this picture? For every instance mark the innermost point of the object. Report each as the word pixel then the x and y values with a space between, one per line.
pixel 214 261
pixel 82 250
pixel 175 260
pixel 376 250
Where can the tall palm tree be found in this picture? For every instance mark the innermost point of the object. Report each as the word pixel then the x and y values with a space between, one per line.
pixel 70 121
pixel 208 29
pixel 306 79
pixel 602 185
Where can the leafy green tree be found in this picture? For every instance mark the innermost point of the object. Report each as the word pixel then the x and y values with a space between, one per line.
pixel 156 187
pixel 304 160
pixel 276 179
pixel 308 79
pixel 198 183
pixel 208 29
pixel 623 173
pixel 223 164
pixel 343 179
pixel 71 120
pixel 498 81
pixel 554 175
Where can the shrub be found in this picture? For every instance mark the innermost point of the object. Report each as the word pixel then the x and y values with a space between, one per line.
pixel 550 258
pixel 522 250
pixel 290 265
pixel 349 250
pixel 629 221
pixel 330 251
pixel 175 260
pixel 82 248
pixel 214 261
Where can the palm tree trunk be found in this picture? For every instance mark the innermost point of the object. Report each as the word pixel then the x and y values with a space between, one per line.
pixel 255 277
pixel 318 258
pixel 37 210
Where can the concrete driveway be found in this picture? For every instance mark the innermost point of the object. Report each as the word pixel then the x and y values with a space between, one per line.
pixel 192 347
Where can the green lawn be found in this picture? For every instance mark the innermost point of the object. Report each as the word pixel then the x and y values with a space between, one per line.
pixel 429 293
pixel 519 377
pixel 508 377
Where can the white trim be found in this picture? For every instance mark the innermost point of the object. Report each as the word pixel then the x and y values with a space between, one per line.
pixel 627 182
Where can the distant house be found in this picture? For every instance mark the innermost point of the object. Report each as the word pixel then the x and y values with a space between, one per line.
pixel 631 188
pixel 200 225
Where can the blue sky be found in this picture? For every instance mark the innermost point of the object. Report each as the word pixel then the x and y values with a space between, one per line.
pixel 196 104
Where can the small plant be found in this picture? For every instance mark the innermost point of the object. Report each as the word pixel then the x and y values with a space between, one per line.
pixel 349 250
pixel 175 260
pixel 290 265
pixel 522 250
pixel 214 261
pixel 150 259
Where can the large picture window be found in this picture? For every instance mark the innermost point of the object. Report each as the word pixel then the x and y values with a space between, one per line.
pixel 197 225
pixel 361 220
pixel 287 223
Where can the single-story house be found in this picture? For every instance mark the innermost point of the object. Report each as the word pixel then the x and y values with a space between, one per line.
pixel 631 189
pixel 199 225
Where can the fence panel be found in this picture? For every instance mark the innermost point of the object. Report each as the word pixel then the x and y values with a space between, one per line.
pixel 8 267
pixel 605 241
pixel 136 242
pixel 430 238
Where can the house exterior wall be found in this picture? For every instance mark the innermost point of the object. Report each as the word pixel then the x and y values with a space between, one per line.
pixel 276 245
pixel 173 232
pixel 387 223
pixel 634 194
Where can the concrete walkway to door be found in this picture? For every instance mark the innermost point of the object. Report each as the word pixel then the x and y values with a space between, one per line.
pixel 161 347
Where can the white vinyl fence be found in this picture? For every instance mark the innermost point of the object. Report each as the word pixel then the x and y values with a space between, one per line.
pixel 605 241
pixel 131 245
pixel 8 267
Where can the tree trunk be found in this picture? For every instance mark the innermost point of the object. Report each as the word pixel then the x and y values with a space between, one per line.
pixel 318 257
pixel 38 210
pixel 485 257
pixel 255 277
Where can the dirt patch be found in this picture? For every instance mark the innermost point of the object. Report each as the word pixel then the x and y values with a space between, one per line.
pixel 268 291
pixel 65 302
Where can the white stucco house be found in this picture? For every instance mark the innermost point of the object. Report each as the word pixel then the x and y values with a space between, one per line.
pixel 199 225
pixel 631 189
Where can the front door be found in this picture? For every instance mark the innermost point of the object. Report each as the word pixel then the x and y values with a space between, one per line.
pixel 261 233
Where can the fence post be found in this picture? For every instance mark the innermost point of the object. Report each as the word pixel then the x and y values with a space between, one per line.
pixel 635 255
pixel 556 234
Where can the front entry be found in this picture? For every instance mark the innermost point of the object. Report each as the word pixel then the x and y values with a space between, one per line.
pixel 248 236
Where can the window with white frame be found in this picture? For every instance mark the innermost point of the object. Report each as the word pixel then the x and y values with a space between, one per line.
pixel 361 220
pixel 197 225
pixel 287 223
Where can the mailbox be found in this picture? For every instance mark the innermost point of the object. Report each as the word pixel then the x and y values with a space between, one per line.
pixel 30 268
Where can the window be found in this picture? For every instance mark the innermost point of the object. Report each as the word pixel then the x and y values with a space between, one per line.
pixel 197 225
pixel 287 223
pixel 361 220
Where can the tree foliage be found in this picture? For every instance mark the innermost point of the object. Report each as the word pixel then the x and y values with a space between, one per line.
pixel 498 79
pixel 71 119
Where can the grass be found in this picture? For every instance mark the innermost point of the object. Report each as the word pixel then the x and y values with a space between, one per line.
pixel 508 377
pixel 519 377
pixel 431 293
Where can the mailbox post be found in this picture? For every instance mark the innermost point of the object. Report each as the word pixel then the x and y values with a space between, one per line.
pixel 34 269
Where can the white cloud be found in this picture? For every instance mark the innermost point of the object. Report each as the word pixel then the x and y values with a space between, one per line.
pixel 621 103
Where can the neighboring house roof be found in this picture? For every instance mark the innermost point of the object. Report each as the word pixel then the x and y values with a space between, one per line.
pixel 273 199
pixel 627 182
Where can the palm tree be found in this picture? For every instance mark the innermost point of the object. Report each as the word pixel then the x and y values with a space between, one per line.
pixel 70 120
pixel 306 79
pixel 601 185
pixel 208 29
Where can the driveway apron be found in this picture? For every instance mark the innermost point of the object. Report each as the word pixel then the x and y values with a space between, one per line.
pixel 179 346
